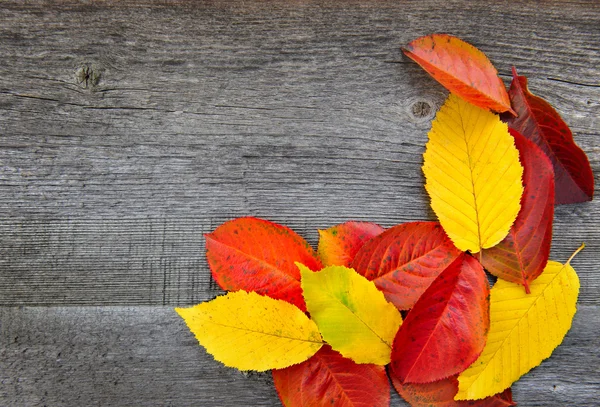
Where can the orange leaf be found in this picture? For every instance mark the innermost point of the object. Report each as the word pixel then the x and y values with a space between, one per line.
pixel 338 244
pixel 462 69
pixel 257 255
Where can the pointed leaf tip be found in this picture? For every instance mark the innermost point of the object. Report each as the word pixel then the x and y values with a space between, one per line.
pixel 539 122
pixel 405 259
pixel 249 331
pixel 352 315
pixel 462 69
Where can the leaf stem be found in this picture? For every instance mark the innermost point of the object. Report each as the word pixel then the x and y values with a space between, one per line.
pixel 574 253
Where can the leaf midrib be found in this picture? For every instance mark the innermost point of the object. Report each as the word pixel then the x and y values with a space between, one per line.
pixel 359 318
pixel 478 92
pixel 403 266
pixel 488 364
pixel 437 324
pixel 258 260
pixel 264 333
pixel 464 134
pixel 538 126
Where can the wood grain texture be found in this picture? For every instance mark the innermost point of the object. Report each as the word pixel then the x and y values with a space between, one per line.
pixel 301 113
pixel 145 356
pixel 128 129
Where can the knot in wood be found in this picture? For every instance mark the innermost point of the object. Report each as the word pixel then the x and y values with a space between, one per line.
pixel 87 76
pixel 421 109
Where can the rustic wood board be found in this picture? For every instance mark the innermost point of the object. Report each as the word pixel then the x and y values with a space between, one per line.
pixel 145 356
pixel 128 129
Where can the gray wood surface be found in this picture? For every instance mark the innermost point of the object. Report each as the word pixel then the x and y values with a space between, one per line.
pixel 128 129
pixel 145 356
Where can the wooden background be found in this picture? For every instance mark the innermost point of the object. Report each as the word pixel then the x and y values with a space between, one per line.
pixel 129 129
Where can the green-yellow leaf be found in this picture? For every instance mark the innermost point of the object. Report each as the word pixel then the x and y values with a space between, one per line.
pixel 251 332
pixel 351 313
pixel 473 175
pixel 524 330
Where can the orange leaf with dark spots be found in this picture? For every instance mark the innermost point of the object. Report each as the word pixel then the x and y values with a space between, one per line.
pixel 338 244
pixel 329 379
pixel 462 69
pixel 405 259
pixel 446 329
pixel 441 394
pixel 523 254
pixel 539 122
pixel 257 255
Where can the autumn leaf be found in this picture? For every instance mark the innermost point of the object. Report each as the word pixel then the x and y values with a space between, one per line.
pixel 352 315
pixel 462 69
pixel 523 254
pixel 441 394
pixel 538 121
pixel 405 259
pixel 525 329
pixel 257 255
pixel 473 175
pixel 328 378
pixel 249 331
pixel 446 329
pixel 338 244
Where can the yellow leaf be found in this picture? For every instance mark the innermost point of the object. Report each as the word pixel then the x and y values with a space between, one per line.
pixel 251 332
pixel 524 330
pixel 351 313
pixel 473 175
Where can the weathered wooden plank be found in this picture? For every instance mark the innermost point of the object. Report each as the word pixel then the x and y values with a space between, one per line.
pixel 130 129
pixel 134 356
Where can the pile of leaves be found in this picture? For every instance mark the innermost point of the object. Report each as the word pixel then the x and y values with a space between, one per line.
pixel 329 322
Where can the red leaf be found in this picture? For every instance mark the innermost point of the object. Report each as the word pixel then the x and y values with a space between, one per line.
pixel 446 329
pixel 405 259
pixel 329 379
pixel 441 394
pixel 257 255
pixel 462 69
pixel 523 254
pixel 338 244
pixel 540 123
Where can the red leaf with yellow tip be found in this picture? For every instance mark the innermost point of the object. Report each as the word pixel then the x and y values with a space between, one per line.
pixel 462 69
pixel 539 122
pixel 446 329
pixel 338 244
pixel 257 255
pixel 328 378
pixel 405 259
pixel 441 394
pixel 523 254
